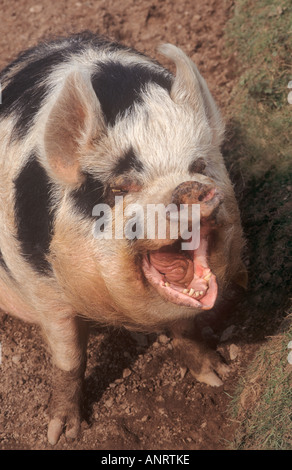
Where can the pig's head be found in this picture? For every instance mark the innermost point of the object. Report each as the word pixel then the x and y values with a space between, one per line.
pixel 164 148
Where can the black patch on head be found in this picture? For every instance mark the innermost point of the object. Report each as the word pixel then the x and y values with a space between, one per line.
pixel 26 91
pixel 119 86
pixel 197 166
pixel 34 214
pixel 129 161
pixel 88 195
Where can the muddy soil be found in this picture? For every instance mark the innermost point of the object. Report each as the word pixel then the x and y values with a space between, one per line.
pixel 137 394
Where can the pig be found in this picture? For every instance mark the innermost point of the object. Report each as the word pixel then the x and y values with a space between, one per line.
pixel 86 121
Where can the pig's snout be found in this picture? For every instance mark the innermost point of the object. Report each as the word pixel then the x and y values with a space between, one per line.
pixel 193 192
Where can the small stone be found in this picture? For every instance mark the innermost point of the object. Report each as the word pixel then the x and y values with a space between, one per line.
pixel 126 373
pixel 145 418
pixel 36 9
pixel 16 359
pixel 289 345
pixel 289 358
pixel 289 98
pixel 183 371
pixel 119 381
pixel 227 334
pixel 163 339
pixel 108 403
pixel 160 399
pixel 233 351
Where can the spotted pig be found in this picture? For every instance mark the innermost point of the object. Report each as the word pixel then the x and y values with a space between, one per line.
pixel 85 121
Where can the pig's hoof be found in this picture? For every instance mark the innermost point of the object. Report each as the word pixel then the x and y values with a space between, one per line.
pixel 57 426
pixel 212 372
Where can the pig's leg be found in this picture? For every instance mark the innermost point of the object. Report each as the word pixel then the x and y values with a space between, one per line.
pixel 203 362
pixel 67 338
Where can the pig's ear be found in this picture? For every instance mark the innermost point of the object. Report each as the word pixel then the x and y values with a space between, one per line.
pixel 190 87
pixel 75 120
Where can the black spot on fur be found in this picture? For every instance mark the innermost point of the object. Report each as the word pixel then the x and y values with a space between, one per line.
pixel 34 214
pixel 88 195
pixel 26 91
pixel 119 86
pixel 27 88
pixel 128 162
pixel 197 166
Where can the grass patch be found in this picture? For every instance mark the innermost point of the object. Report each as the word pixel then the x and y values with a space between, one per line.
pixel 263 399
pixel 258 150
pixel 258 154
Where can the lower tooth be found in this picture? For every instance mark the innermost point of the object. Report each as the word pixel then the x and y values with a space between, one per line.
pixel 201 292
pixel 185 291
pixel 191 292
pixel 166 284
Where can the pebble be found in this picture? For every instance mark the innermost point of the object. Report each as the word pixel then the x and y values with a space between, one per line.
pixel 108 403
pixel 16 359
pixel 233 351
pixel 119 381
pixel 126 373
pixel 36 9
pixel 183 371
pixel 163 339
pixel 289 98
pixel 289 357
pixel 227 334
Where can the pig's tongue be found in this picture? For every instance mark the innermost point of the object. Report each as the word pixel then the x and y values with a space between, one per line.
pixel 182 277
pixel 176 267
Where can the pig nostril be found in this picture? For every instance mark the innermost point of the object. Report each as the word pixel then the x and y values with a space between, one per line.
pixel 207 196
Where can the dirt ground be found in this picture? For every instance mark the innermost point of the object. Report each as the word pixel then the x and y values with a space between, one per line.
pixel 137 394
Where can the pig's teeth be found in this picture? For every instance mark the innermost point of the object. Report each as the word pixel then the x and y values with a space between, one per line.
pixel 191 292
pixel 201 292
pixel 208 276
pixel 166 284
pixel 185 291
pixel 197 293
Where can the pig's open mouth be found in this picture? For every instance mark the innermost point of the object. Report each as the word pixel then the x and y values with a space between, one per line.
pixel 182 277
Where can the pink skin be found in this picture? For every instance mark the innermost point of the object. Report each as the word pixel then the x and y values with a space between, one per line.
pixel 174 292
